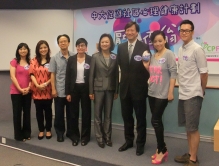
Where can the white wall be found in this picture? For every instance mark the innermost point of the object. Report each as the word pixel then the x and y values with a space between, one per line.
pixel 30 26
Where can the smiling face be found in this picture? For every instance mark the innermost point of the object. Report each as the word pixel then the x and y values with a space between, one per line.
pixel 81 48
pixel 43 50
pixel 186 33
pixel 105 44
pixel 23 51
pixel 131 33
pixel 159 42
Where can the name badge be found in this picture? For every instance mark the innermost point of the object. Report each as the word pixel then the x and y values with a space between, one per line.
pixel 185 57
pixel 46 65
pixel 86 66
pixel 26 67
pixel 113 56
pixel 137 58
pixel 162 60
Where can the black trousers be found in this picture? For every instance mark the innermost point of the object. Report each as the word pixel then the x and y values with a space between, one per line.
pixel 80 96
pixel 157 107
pixel 21 105
pixel 59 124
pixel 44 107
pixel 139 106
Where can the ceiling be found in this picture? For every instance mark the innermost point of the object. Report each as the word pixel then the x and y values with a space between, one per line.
pixel 64 4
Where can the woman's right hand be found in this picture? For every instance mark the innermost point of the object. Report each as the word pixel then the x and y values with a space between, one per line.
pixel 41 87
pixel 91 96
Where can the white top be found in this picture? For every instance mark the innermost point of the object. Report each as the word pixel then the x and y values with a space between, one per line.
pixel 80 72
pixel 191 63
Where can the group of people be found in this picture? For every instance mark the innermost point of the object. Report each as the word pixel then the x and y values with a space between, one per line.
pixel 74 80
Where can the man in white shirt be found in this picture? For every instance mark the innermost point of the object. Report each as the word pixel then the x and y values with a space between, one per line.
pixel 192 78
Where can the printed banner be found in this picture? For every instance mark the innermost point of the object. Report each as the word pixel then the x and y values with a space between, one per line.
pixel 165 16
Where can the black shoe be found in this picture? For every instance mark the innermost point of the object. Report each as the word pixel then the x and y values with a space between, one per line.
pixel 101 144
pixel 49 137
pixel 109 143
pixel 60 138
pixel 40 137
pixel 75 142
pixel 67 135
pixel 84 143
pixel 20 139
pixel 125 147
pixel 139 150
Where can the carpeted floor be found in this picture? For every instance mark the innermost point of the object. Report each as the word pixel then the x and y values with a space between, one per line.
pixel 92 155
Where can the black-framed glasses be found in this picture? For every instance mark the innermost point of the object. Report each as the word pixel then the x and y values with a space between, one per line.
pixel 81 45
pixel 185 31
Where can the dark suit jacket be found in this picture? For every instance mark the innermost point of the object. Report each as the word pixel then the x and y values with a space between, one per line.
pixel 71 73
pixel 134 76
pixel 103 77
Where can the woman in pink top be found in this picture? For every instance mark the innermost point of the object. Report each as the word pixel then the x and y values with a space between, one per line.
pixel 41 88
pixel 20 92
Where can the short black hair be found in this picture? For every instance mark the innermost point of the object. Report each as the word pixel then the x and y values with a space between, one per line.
pixel 159 32
pixel 128 25
pixel 81 40
pixel 112 45
pixel 64 35
pixel 188 22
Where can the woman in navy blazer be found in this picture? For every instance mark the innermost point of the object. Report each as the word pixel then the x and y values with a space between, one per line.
pixel 77 90
pixel 103 87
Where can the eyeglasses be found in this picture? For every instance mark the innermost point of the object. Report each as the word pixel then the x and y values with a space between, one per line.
pixel 81 45
pixel 185 31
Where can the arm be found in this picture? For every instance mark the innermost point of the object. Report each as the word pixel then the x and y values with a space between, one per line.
pixel 204 80
pixel 53 79
pixel 91 78
pixel 41 86
pixel 117 81
pixel 146 65
pixel 67 81
pixel 201 62
pixel 171 88
pixel 173 74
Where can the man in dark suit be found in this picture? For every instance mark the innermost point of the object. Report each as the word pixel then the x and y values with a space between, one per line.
pixel 133 87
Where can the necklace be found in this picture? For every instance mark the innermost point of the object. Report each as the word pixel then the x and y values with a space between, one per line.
pixel 161 53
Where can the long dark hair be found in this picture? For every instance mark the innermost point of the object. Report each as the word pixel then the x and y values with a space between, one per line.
pixel 37 51
pixel 158 32
pixel 17 55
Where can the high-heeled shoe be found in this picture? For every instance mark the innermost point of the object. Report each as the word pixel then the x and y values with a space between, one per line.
pixel 154 155
pixel 165 157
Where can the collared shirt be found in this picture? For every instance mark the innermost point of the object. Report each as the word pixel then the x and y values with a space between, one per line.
pixel 58 65
pixel 133 44
pixel 191 63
